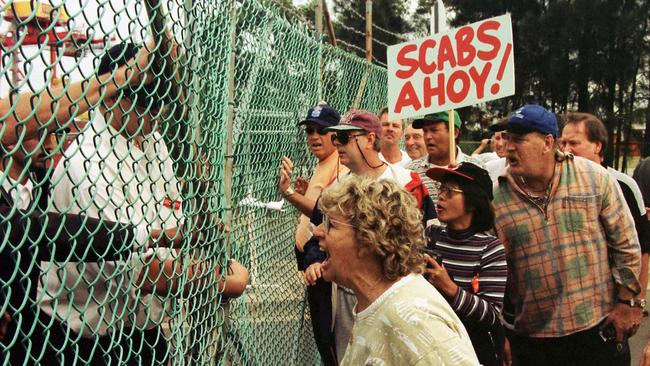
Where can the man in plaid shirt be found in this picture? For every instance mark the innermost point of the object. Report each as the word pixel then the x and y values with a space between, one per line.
pixel 572 250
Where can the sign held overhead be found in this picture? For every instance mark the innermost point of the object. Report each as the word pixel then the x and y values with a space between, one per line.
pixel 461 67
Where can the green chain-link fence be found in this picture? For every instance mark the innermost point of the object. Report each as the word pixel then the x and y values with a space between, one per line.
pixel 235 78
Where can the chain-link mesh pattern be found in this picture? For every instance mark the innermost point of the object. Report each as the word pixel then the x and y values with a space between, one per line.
pixel 232 79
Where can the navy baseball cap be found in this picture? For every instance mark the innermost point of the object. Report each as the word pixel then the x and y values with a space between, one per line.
pixel 322 115
pixel 149 95
pixel 532 118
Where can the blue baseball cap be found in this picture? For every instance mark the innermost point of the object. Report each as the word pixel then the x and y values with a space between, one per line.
pixel 323 115
pixel 532 118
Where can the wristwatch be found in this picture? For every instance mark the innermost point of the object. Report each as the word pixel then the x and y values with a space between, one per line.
pixel 634 303
pixel 288 192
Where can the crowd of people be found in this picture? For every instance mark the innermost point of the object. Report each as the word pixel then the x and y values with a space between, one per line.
pixel 534 253
pixel 531 254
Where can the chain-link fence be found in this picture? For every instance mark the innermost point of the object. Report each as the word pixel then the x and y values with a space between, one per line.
pixel 125 233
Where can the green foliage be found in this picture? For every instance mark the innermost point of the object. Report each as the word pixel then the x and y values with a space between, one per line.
pixel 569 54
pixel 390 15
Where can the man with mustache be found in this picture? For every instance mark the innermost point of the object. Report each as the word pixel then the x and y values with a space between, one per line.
pixel 572 251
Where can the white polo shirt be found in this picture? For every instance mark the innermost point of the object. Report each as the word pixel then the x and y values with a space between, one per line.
pixel 402 163
pixel 105 176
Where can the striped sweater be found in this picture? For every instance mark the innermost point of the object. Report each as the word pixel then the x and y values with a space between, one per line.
pixel 466 255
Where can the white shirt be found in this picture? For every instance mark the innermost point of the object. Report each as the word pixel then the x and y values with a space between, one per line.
pixel 105 176
pixel 409 324
pixel 496 168
pixel 631 183
pixel 21 194
pixel 486 157
pixel 402 163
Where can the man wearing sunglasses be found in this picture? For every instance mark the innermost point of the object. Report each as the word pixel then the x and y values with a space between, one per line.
pixel 328 168
pixel 303 196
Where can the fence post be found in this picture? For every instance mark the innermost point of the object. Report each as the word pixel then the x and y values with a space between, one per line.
pixel 229 161
pixel 328 21
pixel 369 30
pixel 319 37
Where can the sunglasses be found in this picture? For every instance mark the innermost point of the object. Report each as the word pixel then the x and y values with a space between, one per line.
pixel 320 130
pixel 447 190
pixel 327 220
pixel 344 137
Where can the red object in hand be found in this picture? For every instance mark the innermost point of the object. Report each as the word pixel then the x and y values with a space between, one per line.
pixel 475 283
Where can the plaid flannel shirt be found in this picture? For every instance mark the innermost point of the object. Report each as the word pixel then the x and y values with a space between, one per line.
pixel 565 259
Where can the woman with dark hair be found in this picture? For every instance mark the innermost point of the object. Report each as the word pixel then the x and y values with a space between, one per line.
pixel 467 263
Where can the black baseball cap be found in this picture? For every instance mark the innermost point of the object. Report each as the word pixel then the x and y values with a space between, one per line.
pixel 149 95
pixel 323 115
pixel 467 171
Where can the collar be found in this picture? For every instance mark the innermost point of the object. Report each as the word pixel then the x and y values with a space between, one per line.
pixel 560 158
pixel 424 161
pixel 21 194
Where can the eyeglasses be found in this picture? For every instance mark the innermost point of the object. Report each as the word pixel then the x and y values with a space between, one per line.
pixel 327 220
pixel 446 190
pixel 320 130
pixel 344 137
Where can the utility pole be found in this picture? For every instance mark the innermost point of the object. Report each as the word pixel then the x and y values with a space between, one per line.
pixel 369 30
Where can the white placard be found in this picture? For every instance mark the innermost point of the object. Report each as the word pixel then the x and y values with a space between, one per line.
pixel 457 68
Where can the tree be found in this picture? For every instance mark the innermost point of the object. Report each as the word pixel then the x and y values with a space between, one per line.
pixel 587 55
pixel 350 24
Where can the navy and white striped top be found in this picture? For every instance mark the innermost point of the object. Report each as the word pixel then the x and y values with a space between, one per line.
pixel 467 254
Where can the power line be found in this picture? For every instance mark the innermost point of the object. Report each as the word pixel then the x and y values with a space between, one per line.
pixel 361 17
pixel 351 29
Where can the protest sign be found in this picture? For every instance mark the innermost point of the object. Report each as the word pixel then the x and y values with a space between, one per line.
pixel 461 67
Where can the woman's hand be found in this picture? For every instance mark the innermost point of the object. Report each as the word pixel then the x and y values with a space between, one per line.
pixel 437 275
pixel 313 273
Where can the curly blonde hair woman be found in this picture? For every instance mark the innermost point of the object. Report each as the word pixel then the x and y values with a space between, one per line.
pixel 372 235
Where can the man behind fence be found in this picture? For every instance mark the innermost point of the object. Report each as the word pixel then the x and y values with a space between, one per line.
pixel 572 252
pixel 118 169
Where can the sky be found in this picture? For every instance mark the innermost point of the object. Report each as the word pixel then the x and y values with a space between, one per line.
pixel 121 21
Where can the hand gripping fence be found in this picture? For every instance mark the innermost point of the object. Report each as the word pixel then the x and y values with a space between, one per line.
pixel 131 191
